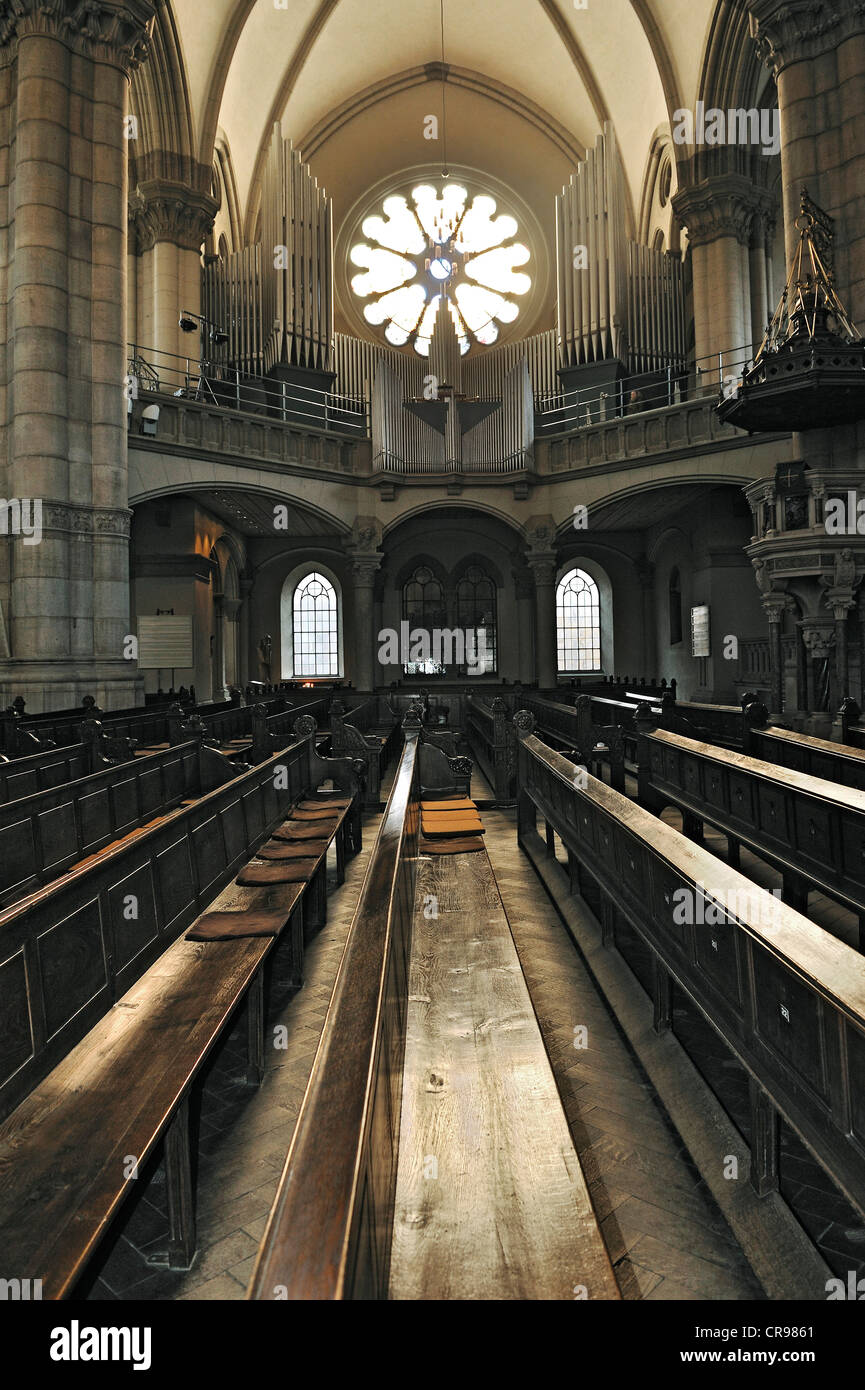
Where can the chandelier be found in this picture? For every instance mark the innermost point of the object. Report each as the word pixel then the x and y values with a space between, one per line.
pixel 440 243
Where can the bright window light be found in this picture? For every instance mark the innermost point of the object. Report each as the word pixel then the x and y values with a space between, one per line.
pixel 440 240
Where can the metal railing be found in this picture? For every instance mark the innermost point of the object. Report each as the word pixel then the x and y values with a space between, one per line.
pixel 151 372
pixel 636 394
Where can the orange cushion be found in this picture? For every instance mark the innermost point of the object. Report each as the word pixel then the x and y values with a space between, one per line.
pixel 461 803
pixel 451 825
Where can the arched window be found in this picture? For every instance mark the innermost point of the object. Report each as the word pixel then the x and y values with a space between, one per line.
pixel 578 622
pixel 675 608
pixel 315 627
pixel 476 617
pixel 423 608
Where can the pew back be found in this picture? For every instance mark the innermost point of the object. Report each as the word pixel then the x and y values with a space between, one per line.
pixel 70 950
pixel 786 996
pixel 329 1231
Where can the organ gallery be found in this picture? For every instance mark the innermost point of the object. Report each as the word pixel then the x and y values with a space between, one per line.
pixel 432 661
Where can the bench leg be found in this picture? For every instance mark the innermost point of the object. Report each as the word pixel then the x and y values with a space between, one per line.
pixel 765 1142
pixel 608 923
pixel 181 1197
pixel 662 998
pixel 795 893
pixel 692 826
pixel 551 839
pixel 255 1029
pixel 315 898
pixel 340 854
pixel 733 852
pixel 574 873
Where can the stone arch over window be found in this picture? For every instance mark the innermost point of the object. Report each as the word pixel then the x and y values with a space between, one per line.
pixel 311 624
pixel 578 622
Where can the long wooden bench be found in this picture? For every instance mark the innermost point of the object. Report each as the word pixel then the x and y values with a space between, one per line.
pixel 43 835
pixel 124 1060
pixel 330 1228
pixel 490 740
pixel 812 830
pixel 786 997
pixel 572 729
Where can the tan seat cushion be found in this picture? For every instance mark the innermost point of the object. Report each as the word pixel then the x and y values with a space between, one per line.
pixel 456 844
pixel 297 871
pixel 228 926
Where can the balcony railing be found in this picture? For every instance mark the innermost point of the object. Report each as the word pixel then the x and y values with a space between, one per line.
pixel 152 372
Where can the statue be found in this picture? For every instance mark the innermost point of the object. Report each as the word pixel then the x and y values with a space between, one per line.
pixel 265 657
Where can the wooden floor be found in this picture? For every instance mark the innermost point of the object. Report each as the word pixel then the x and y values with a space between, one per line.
pixel 491 1202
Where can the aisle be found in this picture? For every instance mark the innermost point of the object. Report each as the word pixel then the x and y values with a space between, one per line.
pixel 664 1232
pixel 490 1201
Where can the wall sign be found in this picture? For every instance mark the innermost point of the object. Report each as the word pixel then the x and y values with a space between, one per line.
pixel 165 643
pixel 701 639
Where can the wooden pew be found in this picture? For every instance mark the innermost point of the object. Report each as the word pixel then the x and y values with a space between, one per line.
pixel 786 997
pixel 490 739
pixel 42 836
pixel 117 1089
pixel 572 729
pixel 329 1231
pixel 812 830
pixel 356 733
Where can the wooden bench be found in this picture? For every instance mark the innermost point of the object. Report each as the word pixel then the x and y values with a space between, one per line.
pixel 53 766
pixel 812 830
pixel 122 1071
pixel 786 997
pixel 329 1231
pixel 44 835
pixel 356 733
pixel 490 740
pixel 573 730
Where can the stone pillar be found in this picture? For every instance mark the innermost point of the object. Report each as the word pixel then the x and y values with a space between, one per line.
pixel 243 677
pixel 760 311
pixel 719 215
pixel 366 674
pixel 646 576
pixel 543 568
pixel 171 221
pixel 525 593
pixel 68 68
pixel 816 51
pixel 774 609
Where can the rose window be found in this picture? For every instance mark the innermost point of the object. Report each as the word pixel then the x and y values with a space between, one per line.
pixel 438 242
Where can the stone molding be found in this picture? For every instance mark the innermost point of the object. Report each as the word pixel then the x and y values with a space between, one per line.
pixel 725 206
pixel 364 569
pixel 117 32
pixel 79 520
pixel 797 31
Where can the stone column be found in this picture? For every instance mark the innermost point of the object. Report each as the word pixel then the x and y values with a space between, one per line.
pixel 760 311
pixel 816 51
pixel 243 677
pixel 646 575
pixel 65 364
pixel 171 221
pixel 543 568
pixel 719 215
pixel 525 593
pixel 366 674
pixel 774 609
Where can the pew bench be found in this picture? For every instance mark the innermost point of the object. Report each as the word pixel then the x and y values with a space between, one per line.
pixel 71 1153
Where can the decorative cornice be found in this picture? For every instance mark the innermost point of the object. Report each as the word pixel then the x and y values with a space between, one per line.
pixel 797 31
pixel 726 206
pixel 56 516
pixel 161 211
pixel 116 32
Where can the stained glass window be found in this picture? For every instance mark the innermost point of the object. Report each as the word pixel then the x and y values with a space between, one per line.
pixel 578 622
pixel 314 625
pixel 476 615
pixel 434 242
pixel 423 608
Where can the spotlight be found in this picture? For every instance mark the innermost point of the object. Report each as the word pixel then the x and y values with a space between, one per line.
pixel 149 419
pixel 187 324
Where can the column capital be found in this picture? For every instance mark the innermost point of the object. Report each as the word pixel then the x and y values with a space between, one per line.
pixel 727 205
pixel 161 211
pixel 365 567
pixel 543 567
pixel 116 32
pixel 797 31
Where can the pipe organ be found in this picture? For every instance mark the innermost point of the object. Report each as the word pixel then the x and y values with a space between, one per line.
pixel 275 300
pixel 617 300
